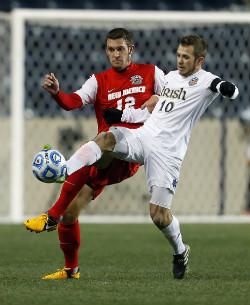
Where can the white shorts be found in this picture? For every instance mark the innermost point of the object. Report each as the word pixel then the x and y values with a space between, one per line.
pixel 161 170
pixel 161 196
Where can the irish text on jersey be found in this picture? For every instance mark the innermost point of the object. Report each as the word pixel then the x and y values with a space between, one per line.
pixel 179 94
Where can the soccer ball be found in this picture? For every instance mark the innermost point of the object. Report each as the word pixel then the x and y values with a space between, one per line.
pixel 49 165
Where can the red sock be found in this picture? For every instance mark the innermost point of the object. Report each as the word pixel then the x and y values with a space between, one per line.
pixel 69 237
pixel 69 190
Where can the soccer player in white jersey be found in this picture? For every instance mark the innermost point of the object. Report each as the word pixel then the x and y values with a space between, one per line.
pixel 161 143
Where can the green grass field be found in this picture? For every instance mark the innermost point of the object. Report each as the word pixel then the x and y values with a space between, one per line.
pixel 127 264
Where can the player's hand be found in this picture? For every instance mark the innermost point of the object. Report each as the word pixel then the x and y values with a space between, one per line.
pixel 112 115
pixel 150 103
pixel 51 84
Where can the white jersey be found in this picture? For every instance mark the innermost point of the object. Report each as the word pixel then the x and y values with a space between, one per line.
pixel 161 143
pixel 183 100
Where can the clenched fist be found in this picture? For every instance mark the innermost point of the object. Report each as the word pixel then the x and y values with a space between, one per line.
pixel 51 84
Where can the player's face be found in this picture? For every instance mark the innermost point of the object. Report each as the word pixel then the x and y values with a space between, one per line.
pixel 187 63
pixel 119 53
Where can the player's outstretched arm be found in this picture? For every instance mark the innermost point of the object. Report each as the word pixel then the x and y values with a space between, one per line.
pixel 64 100
pixel 225 88
pixel 150 103
pixel 132 115
pixel 128 115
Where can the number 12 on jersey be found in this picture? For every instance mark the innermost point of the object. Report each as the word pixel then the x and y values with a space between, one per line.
pixel 128 102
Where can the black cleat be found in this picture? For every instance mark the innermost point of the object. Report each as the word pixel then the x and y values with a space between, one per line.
pixel 180 263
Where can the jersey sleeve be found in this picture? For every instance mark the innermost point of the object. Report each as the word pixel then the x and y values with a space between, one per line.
pixel 159 80
pixel 88 91
pixel 68 101
pixel 132 115
pixel 225 88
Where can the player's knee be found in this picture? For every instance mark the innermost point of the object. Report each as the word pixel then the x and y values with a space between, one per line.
pixel 69 217
pixel 160 216
pixel 106 141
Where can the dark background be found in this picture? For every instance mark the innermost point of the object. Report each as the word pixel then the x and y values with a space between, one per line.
pixel 129 4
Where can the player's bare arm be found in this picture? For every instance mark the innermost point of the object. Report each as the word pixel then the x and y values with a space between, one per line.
pixel 131 115
pixel 128 115
pixel 150 103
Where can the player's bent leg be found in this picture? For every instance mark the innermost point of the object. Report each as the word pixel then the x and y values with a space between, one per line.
pixel 69 190
pixel 106 141
pixel 48 221
pixel 91 152
pixel 169 225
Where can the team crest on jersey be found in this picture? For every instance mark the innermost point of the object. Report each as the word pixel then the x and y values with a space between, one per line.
pixel 136 80
pixel 193 81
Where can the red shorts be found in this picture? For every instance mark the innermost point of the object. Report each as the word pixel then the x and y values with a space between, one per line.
pixel 117 171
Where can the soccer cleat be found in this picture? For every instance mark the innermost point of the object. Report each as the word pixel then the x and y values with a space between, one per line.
pixel 63 274
pixel 41 223
pixel 180 263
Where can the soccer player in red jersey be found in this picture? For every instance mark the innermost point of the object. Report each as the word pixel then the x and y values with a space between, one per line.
pixel 125 84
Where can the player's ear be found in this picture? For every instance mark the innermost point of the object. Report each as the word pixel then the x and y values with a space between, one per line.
pixel 200 60
pixel 131 49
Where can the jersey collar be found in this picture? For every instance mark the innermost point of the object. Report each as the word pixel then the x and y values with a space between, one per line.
pixel 128 68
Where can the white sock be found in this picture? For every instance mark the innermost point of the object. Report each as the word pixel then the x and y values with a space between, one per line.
pixel 86 155
pixel 173 234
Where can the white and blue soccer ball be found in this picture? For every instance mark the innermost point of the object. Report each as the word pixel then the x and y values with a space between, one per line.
pixel 49 165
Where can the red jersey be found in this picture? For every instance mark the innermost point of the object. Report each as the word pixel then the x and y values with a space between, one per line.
pixel 113 89
pixel 128 88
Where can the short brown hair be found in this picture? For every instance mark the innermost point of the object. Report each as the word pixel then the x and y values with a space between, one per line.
pixel 118 33
pixel 198 42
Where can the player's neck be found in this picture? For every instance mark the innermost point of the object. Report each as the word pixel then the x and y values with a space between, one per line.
pixel 124 69
pixel 192 72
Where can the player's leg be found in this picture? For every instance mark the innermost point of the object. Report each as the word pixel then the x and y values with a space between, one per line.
pixel 48 221
pixel 168 224
pixel 68 230
pixel 69 237
pixel 91 152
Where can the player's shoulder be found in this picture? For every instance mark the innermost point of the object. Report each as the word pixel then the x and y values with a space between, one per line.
pixel 103 73
pixel 142 65
pixel 173 74
pixel 206 74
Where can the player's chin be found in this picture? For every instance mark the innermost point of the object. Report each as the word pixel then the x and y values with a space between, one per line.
pixel 181 70
pixel 117 65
